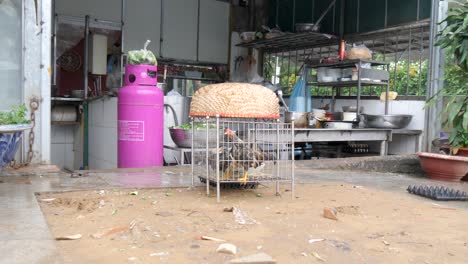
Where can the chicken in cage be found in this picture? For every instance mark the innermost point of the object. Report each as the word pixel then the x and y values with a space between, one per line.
pixel 246 153
pixel 245 144
pixel 240 156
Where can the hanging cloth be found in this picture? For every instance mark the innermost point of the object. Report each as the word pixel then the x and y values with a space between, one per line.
pixel 300 99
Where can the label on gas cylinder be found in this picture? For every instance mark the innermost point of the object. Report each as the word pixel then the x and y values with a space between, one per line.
pixel 131 130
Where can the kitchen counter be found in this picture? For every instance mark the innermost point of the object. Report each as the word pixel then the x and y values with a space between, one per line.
pixel 334 135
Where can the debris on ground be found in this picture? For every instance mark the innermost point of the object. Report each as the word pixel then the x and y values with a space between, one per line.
pixel 227 249
pixel 242 218
pixel 330 213
pixel 351 210
pixel 159 254
pixel 132 258
pixel 304 254
pixel 133 193
pixel 259 195
pixel 317 256
pixel 311 241
pixel 228 209
pixel 110 231
pixel 260 258
pixel 114 212
pixel 47 199
pixel 164 214
pixel 385 243
pixel 211 239
pixel 72 237
pixel 339 244
pixel 136 233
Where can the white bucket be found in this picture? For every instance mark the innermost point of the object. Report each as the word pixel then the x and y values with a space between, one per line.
pixel 349 116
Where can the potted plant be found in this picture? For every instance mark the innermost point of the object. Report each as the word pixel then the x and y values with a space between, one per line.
pixel 12 125
pixel 454 38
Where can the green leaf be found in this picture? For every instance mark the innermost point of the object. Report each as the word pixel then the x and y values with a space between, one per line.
pixel 465 120
pixel 454 111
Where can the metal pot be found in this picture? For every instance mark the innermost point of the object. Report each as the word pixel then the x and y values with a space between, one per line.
pixel 301 119
pixel 352 108
pixel 183 137
pixel 386 121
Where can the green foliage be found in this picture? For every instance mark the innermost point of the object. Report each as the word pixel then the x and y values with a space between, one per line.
pixel 454 38
pixel 17 115
pixel 408 76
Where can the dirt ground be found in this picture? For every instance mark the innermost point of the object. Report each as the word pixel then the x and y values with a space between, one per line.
pixel 373 226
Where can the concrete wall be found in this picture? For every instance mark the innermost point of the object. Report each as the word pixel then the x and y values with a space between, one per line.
pixel 36 72
pixel 102 9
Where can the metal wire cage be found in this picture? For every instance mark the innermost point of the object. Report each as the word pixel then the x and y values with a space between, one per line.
pixel 241 153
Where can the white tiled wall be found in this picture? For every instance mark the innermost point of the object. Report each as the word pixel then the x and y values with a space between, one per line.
pixel 103 134
pixel 62 146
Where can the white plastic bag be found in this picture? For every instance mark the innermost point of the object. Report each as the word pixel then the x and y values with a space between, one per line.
pixel 143 56
pixel 173 92
pixel 359 52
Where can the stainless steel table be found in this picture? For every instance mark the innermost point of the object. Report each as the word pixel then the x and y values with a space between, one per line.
pixel 333 135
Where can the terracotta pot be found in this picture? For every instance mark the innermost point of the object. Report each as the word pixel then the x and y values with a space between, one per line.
pixel 463 152
pixel 443 167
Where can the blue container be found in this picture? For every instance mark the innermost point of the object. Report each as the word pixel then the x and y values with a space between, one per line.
pixel 10 136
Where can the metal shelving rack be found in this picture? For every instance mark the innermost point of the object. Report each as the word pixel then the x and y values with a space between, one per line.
pixel 291 41
pixel 359 83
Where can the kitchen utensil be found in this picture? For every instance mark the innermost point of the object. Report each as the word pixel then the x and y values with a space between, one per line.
pixel 247 36
pixel 352 108
pixel 334 116
pixel 63 113
pixel 280 96
pixel 70 61
pixel 349 116
pixel 307 27
pixel 386 121
pixel 183 137
pixel 301 119
pixel 337 124
pixel 319 113
pixel 77 93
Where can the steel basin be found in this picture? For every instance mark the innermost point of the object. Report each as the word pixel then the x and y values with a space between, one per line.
pixel 301 119
pixel 386 121
pixel 183 137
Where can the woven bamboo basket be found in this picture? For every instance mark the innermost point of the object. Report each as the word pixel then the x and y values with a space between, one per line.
pixel 235 100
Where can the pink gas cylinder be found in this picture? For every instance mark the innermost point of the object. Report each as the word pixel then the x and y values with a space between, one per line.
pixel 140 119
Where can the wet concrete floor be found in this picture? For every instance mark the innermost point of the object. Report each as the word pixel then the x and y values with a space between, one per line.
pixel 25 236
